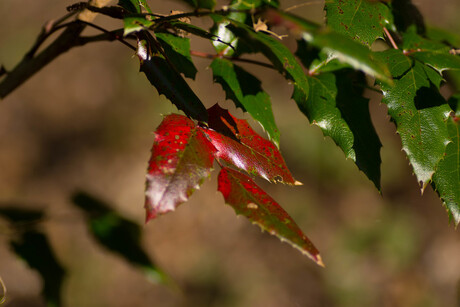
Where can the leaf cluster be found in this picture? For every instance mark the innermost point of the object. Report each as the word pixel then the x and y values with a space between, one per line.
pixel 331 68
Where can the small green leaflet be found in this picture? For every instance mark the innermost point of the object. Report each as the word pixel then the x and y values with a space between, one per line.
pixel 245 90
pixel 177 50
pixel 135 24
pixel 362 20
pixel 249 200
pixel 419 113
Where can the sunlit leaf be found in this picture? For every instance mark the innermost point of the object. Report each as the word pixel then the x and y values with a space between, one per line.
pixel 177 50
pixel 362 20
pixel 419 111
pixel 135 6
pixel 252 202
pixel 117 234
pixel 446 180
pixel 182 158
pixel 246 91
pixel 249 152
pixel 337 45
pixel 135 24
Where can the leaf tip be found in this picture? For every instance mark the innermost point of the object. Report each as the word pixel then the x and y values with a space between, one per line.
pixel 319 261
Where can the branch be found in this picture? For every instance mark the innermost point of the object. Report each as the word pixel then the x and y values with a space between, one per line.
pixel 68 39
pixel 31 65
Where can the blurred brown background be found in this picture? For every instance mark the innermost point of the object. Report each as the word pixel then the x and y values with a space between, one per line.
pixel 86 122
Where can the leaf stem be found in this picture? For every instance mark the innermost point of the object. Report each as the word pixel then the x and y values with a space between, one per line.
pixel 390 38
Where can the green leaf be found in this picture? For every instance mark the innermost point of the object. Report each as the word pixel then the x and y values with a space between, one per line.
pixel 355 111
pixel 168 81
pixel 280 56
pixel 249 200
pixel 336 45
pixel 182 158
pixel 245 149
pixel 438 61
pixel 135 6
pixel 117 234
pixel 419 112
pixel 36 251
pixel 362 20
pixel 135 24
pixel 413 42
pixel 446 180
pixel 201 4
pixel 177 50
pixel 245 90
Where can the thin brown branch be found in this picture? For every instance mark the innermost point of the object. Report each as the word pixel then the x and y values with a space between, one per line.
pixel 213 56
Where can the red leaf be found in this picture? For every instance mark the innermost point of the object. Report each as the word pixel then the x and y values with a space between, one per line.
pixel 252 153
pixel 182 158
pixel 251 201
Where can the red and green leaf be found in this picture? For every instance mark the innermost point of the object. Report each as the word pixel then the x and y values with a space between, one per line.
pixel 251 201
pixel 247 150
pixel 182 158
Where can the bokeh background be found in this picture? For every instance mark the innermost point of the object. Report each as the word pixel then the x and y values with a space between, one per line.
pixel 85 122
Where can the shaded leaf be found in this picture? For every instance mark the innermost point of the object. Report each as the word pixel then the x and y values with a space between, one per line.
pixel 201 4
pixel 246 91
pixel 177 50
pixel 362 20
pixel 419 112
pixel 406 14
pixel 33 247
pixel 168 81
pixel 355 111
pixel 117 234
pixel 251 201
pixel 250 152
pixel 182 158
pixel 19 217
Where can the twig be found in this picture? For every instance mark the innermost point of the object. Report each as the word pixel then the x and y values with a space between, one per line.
pixel 106 36
pixel 213 56
pixel 390 38
pixel 110 35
